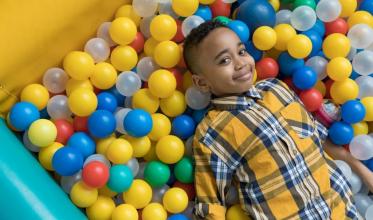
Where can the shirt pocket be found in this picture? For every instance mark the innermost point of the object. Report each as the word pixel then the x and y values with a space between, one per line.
pixel 298 119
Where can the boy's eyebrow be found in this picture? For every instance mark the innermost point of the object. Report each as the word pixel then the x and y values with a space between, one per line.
pixel 226 50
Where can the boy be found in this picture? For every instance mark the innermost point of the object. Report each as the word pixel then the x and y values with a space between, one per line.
pixel 262 137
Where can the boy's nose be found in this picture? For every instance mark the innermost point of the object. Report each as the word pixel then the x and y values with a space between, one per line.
pixel 239 63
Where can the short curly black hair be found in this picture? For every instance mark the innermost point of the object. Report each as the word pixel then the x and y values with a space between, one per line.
pixel 194 38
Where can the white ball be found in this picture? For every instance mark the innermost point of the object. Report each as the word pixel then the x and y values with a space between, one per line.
pixel 145 67
pixel 58 107
pixel 103 33
pixel 360 36
pixel 98 48
pixel 283 16
pixel 119 118
pixel 365 84
pixel 145 8
pixel 55 80
pixel 303 18
pixel 189 23
pixel 361 147
pixel 318 64
pixel 128 83
pixel 328 10
pixel 363 62
pixel 197 99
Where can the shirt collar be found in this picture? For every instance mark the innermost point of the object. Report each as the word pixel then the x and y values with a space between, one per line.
pixel 240 102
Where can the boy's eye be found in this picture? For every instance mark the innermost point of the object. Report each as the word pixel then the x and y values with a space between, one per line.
pixel 225 60
pixel 242 52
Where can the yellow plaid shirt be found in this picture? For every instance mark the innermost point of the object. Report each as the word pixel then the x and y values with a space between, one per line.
pixel 268 144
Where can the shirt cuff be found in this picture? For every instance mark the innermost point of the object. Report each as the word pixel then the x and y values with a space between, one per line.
pixel 209 211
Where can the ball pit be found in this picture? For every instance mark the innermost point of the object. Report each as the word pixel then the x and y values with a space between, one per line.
pixel 128 96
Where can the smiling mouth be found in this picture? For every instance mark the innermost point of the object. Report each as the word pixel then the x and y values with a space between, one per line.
pixel 244 75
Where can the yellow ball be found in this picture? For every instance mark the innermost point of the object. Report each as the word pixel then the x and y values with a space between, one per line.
pixel 104 76
pixel 161 126
pixel 275 4
pixel 162 83
pixel 360 128
pixel 185 8
pixel 42 133
pixel 264 38
pixel 320 86
pixel 119 151
pixel 339 68
pixel 46 154
pixel 139 194
pixel 368 104
pixel 82 195
pixel 140 146
pixel 163 27
pixel 127 11
pixel 187 80
pixel 73 84
pixel 151 154
pixel 255 76
pixel 36 94
pixel 125 211
pixel 79 65
pixel 123 58
pixel 154 211
pixel 336 45
pixel 149 46
pixel 359 17
pixel 167 54
pixel 174 105
pixel 123 30
pixel 101 209
pixel 103 144
pixel 348 7
pixel 169 149
pixel 144 99
pixel 175 200
pixel 299 46
pixel 344 90
pixel 236 213
pixel 284 33
pixel 82 102
pixel 105 191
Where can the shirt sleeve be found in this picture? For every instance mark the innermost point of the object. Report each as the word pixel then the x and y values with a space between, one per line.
pixel 322 130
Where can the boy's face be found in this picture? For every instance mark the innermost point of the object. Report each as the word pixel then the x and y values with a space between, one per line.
pixel 223 67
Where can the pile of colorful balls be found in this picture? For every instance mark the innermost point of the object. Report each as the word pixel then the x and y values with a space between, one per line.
pixel 114 124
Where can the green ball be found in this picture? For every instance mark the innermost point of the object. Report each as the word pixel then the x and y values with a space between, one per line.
pixel 156 173
pixel 222 19
pixel 310 3
pixel 184 170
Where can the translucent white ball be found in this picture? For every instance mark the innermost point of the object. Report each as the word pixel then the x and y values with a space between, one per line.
pixel 67 182
pixel 133 164
pixel 145 26
pixel 98 48
pixel 189 146
pixel 197 99
pixel 103 33
pixel 189 23
pixel 369 212
pixel 361 147
pixel 140 174
pixel 97 157
pixel 362 203
pixel 365 86
pixel 119 118
pixel 352 53
pixel 58 107
pixel 303 18
pixel 283 16
pixel 363 62
pixel 145 8
pixel 355 183
pixel 328 10
pixel 128 83
pixel 318 64
pixel 360 36
pixel 165 7
pixel 55 80
pixel 158 193
pixel 128 102
pixel 145 67
pixel 27 143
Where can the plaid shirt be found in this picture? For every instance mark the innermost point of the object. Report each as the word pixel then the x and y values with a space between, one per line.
pixel 272 147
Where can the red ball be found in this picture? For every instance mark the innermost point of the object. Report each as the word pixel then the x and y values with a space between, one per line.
pixel 138 42
pixel 266 68
pixel 80 124
pixel 145 85
pixel 188 188
pixel 179 37
pixel 339 25
pixel 64 130
pixel 328 84
pixel 179 78
pixel 96 90
pixel 311 98
pixel 95 174
pixel 219 8
pixel 290 84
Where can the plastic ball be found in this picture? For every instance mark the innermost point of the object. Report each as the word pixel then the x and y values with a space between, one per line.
pixel 170 149
pixel 275 4
pixel 338 91
pixel 35 94
pixel 154 211
pixel 283 16
pixel 101 123
pixel 27 143
pixel 336 45
pixel 204 12
pixel 46 154
pixel 98 48
pixel 184 171
pixel 304 78
pixel 183 126
pixel 159 192
pixel 97 157
pixel 365 84
pixel 185 8
pixel 140 145
pixel 58 107
pixel 119 151
pixel 363 62
pixel 144 99
pixel 162 83
pixel 339 68
pixel 368 104
pixel 299 46
pixel 125 211
pixel 312 99
pixel 144 8
pixel 119 117
pixel 303 18
pixel 104 76
pixel 253 51
pixel 22 114
pixel 73 85
pixel 146 67
pixel 139 194
pixel 256 14
pixel 123 30
pixel 361 147
pixel 82 102
pixel 80 123
pixel 175 104
pixel 103 32
pixel 161 126
pixel 163 27
pixel 95 174
pixel 328 10
pixel 175 200
pixel 138 42
pixel 288 64
pixel 264 38
pixel 236 212
pixel 316 40
pixel 353 111
pixel 67 161
pixel 133 164
pixel 82 195
pixel 82 142
pixel 138 123
pixel 129 12
pixel 341 133
pixel 67 182
pixel 101 209
pixel 79 65
pixel 339 25
pixel 360 128
pixel 348 7
pixel 318 64
pixel 55 79
pixel 284 33
pixel 128 83
pixel 167 54
pixel 123 58
pixel 241 29
pixel 107 101
pixel 196 99
pixel 120 178
pixel 310 3
pixel 42 132
pixel 190 23
pixel 219 8
pixel 360 36
pixel 188 188
pixel 156 173
pixel 165 7
pixel 366 5
pixel 359 17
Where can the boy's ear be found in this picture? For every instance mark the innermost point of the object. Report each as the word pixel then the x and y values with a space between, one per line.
pixel 200 82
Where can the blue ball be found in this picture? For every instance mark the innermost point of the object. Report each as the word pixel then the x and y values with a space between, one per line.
pixel 101 123
pixel 120 178
pixel 120 98
pixel 177 217
pixel 44 113
pixel 83 143
pixel 138 123
pixel 241 29
pixel 204 12
pixel 67 161
pixel 319 27
pixel 253 51
pixel 107 101
pixel 288 64
pixel 354 75
pixel 304 78
pixel 353 111
pixel 366 5
pixel 183 126
pixel 341 133
pixel 316 40
pixel 198 115
pixel 23 114
pixel 256 13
